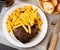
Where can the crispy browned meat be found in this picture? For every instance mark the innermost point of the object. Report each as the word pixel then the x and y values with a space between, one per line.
pixel 23 36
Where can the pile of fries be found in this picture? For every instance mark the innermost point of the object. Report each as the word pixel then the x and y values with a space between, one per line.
pixel 26 16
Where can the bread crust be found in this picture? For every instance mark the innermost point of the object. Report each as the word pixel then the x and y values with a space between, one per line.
pixel 54 2
pixel 58 7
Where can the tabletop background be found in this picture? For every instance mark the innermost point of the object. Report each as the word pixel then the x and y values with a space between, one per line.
pixel 42 45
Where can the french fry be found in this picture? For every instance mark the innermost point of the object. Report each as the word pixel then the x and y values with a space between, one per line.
pixel 24 16
pixel 9 18
pixel 27 15
pixel 40 22
pixel 8 21
pixel 32 19
pixel 28 8
pixel 40 27
pixel 23 19
pixel 18 10
pixel 16 22
pixel 34 15
pixel 23 26
pixel 14 17
pixel 29 28
pixel 17 13
pixel 16 26
pixel 9 28
pixel 35 9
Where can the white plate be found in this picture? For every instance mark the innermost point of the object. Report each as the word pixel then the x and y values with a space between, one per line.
pixel 10 37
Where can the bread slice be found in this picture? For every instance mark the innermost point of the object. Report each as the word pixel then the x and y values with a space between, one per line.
pixel 55 2
pixel 48 6
pixel 45 0
pixel 58 7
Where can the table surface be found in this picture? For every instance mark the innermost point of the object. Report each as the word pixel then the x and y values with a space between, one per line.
pixel 42 45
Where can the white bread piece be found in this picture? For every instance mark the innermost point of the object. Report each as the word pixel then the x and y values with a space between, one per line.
pixel 45 0
pixel 55 2
pixel 48 6
pixel 58 7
